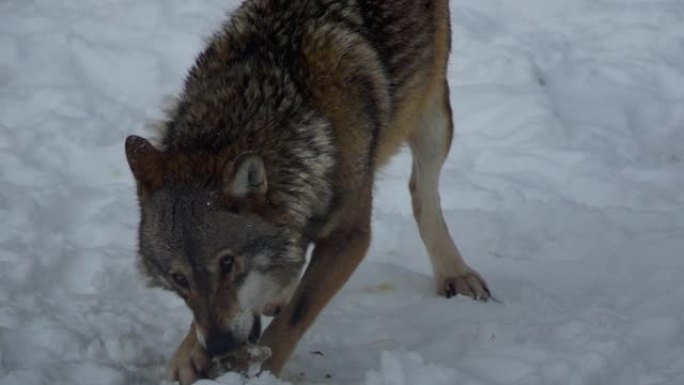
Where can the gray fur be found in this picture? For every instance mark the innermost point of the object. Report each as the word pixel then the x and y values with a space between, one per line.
pixel 181 230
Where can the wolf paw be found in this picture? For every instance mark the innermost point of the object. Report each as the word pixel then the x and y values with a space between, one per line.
pixel 470 284
pixel 189 363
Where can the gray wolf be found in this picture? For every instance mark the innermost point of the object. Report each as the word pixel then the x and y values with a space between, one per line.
pixel 272 146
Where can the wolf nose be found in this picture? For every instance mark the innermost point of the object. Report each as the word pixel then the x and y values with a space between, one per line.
pixel 219 344
pixel 255 333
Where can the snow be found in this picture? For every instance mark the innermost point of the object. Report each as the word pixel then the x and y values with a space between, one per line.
pixel 564 188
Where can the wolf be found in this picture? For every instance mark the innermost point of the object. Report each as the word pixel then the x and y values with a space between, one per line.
pixel 272 146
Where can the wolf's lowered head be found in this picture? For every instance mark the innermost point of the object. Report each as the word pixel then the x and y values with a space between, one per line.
pixel 208 233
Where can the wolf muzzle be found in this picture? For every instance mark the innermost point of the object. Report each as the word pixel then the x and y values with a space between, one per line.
pixel 219 343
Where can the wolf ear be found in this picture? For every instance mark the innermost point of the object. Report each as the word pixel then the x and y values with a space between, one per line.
pixel 245 177
pixel 143 159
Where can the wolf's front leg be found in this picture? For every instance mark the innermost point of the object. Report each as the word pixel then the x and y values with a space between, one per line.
pixel 333 261
pixel 190 362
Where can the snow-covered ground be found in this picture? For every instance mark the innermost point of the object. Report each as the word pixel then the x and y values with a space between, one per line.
pixel 565 188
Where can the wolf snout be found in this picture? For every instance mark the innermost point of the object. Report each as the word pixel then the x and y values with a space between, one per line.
pixel 221 343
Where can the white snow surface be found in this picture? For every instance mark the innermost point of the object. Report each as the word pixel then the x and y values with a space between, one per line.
pixel 564 188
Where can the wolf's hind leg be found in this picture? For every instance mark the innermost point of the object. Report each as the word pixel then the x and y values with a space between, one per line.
pixel 430 142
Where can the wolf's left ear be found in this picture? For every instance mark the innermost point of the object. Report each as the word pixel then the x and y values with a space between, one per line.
pixel 144 160
pixel 245 177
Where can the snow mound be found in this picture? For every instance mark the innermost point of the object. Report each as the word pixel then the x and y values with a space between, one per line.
pixel 237 379
pixel 408 368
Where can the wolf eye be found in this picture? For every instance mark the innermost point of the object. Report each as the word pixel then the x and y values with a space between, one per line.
pixel 180 280
pixel 227 262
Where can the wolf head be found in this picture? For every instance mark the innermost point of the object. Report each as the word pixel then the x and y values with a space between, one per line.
pixel 213 241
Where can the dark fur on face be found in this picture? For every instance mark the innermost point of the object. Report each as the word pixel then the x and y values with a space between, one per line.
pixel 194 229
